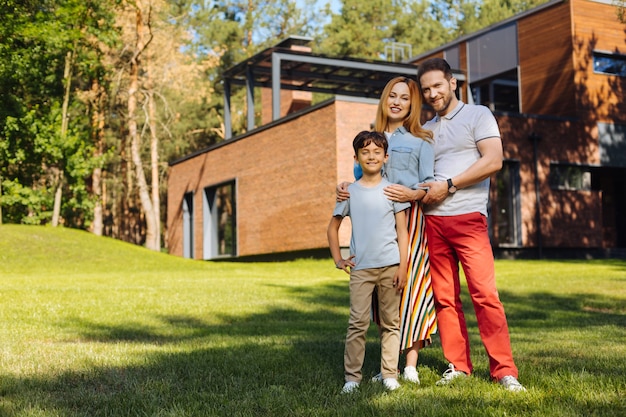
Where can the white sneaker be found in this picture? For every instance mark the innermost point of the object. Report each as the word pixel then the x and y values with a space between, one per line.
pixel 410 374
pixel 450 375
pixel 511 383
pixel 378 377
pixel 349 387
pixel 391 384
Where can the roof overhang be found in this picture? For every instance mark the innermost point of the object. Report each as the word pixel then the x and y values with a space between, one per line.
pixel 284 68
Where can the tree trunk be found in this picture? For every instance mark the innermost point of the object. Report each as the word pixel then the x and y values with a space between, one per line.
pixel 144 195
pixel 67 80
pixel 154 159
pixel 97 127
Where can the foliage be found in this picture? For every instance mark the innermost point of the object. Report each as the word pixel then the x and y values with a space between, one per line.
pixel 361 29
pixel 365 29
pixel 191 44
pixel 98 327
pixel 620 6
pixel 33 151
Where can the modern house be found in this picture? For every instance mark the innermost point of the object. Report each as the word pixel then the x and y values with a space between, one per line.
pixel 554 76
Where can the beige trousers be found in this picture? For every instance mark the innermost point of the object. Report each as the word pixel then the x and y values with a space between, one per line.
pixel 362 284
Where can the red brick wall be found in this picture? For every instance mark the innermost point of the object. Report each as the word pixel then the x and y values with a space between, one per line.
pixel 569 218
pixel 285 180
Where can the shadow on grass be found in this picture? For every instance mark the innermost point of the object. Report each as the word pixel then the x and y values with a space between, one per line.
pixel 558 333
pixel 287 362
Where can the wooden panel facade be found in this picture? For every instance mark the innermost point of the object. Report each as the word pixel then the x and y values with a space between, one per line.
pixel 545 60
pixel 597 29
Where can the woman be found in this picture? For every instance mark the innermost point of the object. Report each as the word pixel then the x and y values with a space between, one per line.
pixel 411 162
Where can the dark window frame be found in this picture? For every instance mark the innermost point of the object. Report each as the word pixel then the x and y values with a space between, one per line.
pixel 609 64
pixel 507 219
pixel 566 176
pixel 220 211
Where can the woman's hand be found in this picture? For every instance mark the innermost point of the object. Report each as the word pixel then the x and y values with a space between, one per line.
pixel 342 191
pixel 400 193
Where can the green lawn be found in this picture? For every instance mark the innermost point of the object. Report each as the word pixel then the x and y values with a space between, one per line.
pixel 90 326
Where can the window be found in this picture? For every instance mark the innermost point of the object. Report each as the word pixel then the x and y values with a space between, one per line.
pixel 188 225
pixel 492 52
pixel 220 226
pixel 507 218
pixel 612 64
pixel 452 55
pixel 499 93
pixel 570 177
pixel 492 60
pixel 612 144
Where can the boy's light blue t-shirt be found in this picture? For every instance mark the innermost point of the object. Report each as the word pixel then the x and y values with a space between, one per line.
pixel 374 239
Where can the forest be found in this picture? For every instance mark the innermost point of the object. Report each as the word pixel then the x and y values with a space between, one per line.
pixel 98 96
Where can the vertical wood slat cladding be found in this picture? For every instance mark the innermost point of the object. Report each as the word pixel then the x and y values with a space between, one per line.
pixel 546 67
pixel 596 28
pixel 463 59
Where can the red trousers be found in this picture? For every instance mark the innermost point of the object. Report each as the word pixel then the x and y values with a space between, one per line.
pixel 465 239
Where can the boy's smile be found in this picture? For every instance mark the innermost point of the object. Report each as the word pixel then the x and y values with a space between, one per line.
pixel 371 158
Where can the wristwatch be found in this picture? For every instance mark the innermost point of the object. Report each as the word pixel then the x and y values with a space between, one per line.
pixel 451 187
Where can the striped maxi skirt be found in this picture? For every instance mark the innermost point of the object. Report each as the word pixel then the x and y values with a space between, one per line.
pixel 417 306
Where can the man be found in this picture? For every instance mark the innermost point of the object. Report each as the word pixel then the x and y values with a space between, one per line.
pixel 468 150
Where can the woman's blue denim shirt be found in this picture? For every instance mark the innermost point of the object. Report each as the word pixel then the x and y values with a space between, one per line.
pixel 411 160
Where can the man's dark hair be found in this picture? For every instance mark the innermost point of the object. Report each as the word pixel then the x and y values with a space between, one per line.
pixel 434 64
pixel 366 137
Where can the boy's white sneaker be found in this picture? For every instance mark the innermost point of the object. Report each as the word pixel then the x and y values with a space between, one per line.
pixel 391 384
pixel 410 374
pixel 349 387
pixel 450 375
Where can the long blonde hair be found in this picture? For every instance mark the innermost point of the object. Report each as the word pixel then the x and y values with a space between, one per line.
pixel 412 121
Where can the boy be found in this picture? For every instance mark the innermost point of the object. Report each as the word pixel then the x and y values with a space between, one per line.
pixel 378 260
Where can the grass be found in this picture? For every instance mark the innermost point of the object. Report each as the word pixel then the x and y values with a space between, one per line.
pixel 90 326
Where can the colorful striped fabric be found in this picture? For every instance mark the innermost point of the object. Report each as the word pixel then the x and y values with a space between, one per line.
pixel 417 307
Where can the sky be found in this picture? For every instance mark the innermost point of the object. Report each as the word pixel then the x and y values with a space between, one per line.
pixel 335 5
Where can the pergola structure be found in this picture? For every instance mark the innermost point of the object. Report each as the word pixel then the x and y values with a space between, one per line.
pixel 283 68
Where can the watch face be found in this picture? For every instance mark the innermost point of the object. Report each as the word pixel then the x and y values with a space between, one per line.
pixel 452 189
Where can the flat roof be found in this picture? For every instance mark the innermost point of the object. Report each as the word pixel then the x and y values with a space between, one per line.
pixel 304 71
pixel 290 65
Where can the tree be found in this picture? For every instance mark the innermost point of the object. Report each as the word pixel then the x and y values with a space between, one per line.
pixel 417 27
pixel 463 17
pixel 621 10
pixel 368 29
pixel 44 147
pixel 142 37
pixel 361 29
pixel 98 95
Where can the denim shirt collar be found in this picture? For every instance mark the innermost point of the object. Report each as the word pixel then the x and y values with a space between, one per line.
pixel 401 129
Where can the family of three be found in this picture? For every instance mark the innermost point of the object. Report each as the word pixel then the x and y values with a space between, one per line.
pixel 418 209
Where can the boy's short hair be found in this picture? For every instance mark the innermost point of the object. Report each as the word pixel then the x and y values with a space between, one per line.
pixel 366 137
